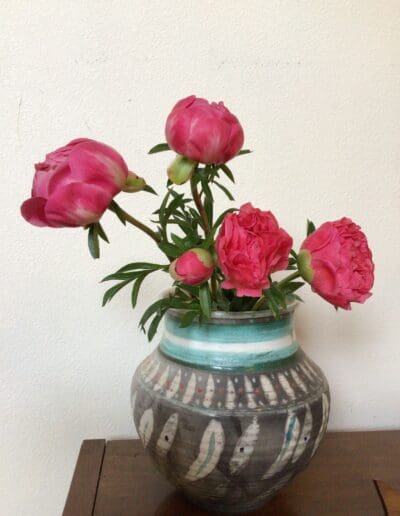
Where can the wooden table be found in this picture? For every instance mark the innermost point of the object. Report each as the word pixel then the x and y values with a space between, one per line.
pixel 116 478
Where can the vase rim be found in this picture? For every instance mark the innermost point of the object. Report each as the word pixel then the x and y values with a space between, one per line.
pixel 223 317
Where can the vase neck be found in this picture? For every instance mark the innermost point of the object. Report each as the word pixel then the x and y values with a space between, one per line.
pixel 229 344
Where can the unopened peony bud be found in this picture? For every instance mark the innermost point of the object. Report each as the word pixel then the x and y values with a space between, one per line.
pixel 193 267
pixel 134 183
pixel 181 170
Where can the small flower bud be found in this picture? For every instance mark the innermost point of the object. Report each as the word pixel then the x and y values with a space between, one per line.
pixel 193 267
pixel 181 170
pixel 133 183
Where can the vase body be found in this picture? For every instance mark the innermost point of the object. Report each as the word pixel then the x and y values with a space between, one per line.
pixel 230 410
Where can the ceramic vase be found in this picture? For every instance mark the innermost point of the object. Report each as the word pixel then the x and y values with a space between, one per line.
pixel 230 410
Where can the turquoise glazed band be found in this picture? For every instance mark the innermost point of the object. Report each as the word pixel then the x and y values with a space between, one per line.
pixel 229 343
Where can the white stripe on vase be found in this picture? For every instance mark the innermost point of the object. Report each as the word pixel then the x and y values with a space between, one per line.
pixel 237 347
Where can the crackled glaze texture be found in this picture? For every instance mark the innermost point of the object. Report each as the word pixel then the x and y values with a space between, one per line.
pixel 230 411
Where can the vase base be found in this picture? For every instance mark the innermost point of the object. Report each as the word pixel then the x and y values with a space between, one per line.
pixel 238 508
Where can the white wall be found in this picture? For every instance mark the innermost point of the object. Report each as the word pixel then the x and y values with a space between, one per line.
pixel 317 87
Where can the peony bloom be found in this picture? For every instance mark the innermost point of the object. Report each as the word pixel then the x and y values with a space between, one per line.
pixel 203 131
pixel 75 185
pixel 193 267
pixel 250 246
pixel 337 262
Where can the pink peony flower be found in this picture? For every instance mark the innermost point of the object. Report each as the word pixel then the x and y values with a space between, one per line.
pixel 75 185
pixel 192 267
pixel 337 261
pixel 250 246
pixel 204 132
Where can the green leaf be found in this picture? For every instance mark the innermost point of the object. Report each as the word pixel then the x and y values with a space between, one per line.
pixel 149 189
pixel 244 151
pixel 110 293
pixel 227 171
pixel 141 265
pixel 170 249
pixel 136 288
pixel 153 308
pixel 188 318
pixel 205 300
pixel 154 326
pixel 225 190
pixel 93 241
pixel 161 147
pixel 115 208
pixel 102 233
pixel 122 276
pixel 293 286
pixel 310 227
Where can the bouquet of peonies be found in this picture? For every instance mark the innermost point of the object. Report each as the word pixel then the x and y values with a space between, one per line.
pixel 222 262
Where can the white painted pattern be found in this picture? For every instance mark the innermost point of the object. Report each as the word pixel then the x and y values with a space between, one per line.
pixel 230 399
pixel 304 436
pixel 298 381
pixel 251 403
pixel 236 348
pixel 152 372
pixel 211 446
pixel 209 394
pixel 268 389
pixel 167 435
pixel 190 389
pixel 324 422
pixel 286 386
pixel 146 426
pixel 173 388
pixel 244 447
pixel 162 380
pixel 307 373
pixel 291 435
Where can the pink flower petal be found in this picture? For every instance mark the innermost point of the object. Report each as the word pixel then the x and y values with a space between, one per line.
pixel 33 211
pixel 77 204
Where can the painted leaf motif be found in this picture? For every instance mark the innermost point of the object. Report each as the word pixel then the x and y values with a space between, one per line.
pixel 230 395
pixel 304 436
pixel 244 448
pixel 167 435
pixel 268 389
pixel 210 388
pixel 324 423
pixel 211 446
pixel 146 426
pixel 292 431
pixel 173 388
pixel 189 392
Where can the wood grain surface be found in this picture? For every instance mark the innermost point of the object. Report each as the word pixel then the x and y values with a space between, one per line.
pixel 338 481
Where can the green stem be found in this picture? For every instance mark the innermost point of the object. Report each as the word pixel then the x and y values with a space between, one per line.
pixel 206 226
pixel 289 278
pixel 200 207
pixel 258 304
pixel 141 226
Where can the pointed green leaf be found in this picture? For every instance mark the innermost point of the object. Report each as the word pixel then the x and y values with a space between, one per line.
pixel 205 300
pixel 93 241
pixel 160 147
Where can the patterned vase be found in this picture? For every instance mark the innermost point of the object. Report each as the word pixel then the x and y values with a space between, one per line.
pixel 230 410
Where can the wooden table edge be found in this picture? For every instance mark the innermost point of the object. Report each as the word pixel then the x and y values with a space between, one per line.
pixel 82 493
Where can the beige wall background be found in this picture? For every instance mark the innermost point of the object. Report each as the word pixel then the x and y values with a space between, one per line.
pixel 316 86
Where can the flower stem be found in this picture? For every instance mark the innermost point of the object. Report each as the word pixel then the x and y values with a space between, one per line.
pixel 289 278
pixel 200 207
pixel 258 304
pixel 129 218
